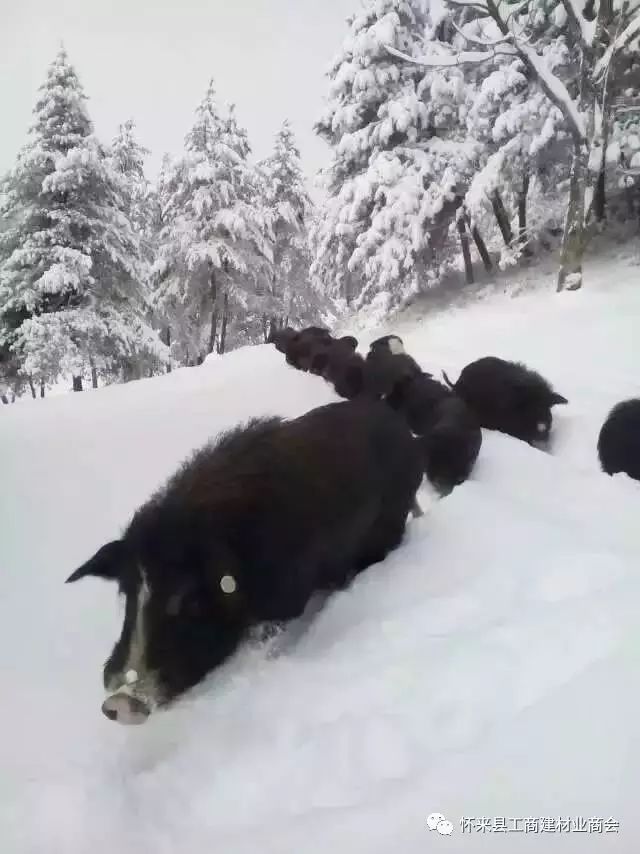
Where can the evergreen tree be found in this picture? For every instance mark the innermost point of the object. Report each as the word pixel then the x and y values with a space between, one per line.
pixel 215 253
pixel 127 158
pixel 393 185
pixel 287 198
pixel 71 298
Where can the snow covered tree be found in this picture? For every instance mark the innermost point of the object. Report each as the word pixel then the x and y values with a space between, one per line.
pixel 402 160
pixel 127 158
pixel 525 143
pixel 70 281
pixel 215 252
pixel 287 198
pixel 597 34
pixel 368 240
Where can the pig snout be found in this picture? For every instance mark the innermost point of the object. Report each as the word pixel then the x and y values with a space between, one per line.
pixel 125 709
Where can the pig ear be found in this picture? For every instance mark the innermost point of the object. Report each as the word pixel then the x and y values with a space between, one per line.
pixel 557 399
pixel 106 563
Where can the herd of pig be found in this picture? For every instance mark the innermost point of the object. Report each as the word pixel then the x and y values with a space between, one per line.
pixel 275 511
pixel 490 392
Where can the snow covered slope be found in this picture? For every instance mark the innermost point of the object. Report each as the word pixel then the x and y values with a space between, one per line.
pixel 488 669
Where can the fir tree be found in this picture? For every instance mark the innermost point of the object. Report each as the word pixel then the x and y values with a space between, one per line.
pixel 287 198
pixel 215 253
pixel 393 184
pixel 70 281
pixel 127 158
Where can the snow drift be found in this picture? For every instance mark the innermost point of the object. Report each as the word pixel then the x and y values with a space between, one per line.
pixel 488 668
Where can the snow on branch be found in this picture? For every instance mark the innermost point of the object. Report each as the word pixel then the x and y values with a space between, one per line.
pixel 486 43
pixel 476 5
pixel 554 88
pixel 463 57
pixel 631 30
pixel 514 43
pixel 575 11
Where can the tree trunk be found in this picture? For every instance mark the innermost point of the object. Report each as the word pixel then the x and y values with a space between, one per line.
pixel 214 329
pixel 502 217
pixel 630 200
pixel 167 335
pixel 94 377
pixel 77 384
pixel 4 399
pixel 574 237
pixel 225 320
pixel 466 252
pixel 605 32
pixel 600 191
pixel 570 273
pixel 42 389
pixel 481 246
pixel 33 388
pixel 522 216
pixel 599 199
pixel 214 311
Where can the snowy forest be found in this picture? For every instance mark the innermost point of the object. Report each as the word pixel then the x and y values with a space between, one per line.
pixel 464 136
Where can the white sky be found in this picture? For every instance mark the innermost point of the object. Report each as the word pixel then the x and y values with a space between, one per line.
pixel 151 60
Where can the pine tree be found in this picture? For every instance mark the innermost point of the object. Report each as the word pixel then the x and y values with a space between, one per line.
pixel 70 281
pixel 373 108
pixel 127 158
pixel 400 164
pixel 215 255
pixel 287 197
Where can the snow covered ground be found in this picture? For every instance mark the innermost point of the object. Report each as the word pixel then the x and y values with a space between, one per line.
pixel 488 669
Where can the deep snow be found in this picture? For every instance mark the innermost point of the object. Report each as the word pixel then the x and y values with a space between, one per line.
pixel 488 668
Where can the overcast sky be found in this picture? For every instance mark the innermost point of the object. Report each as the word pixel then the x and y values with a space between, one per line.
pixel 151 60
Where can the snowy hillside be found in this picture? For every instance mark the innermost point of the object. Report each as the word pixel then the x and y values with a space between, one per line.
pixel 488 668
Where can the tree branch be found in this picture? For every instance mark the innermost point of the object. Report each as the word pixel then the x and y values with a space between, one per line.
pixel 480 42
pixel 465 57
pixel 586 29
pixel 551 85
pixel 631 30
pixel 478 7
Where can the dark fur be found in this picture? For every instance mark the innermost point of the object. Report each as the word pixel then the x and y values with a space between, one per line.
pixel 509 397
pixel 451 433
pixel 619 440
pixel 346 373
pixel 326 353
pixel 286 508
pixel 300 347
pixel 385 370
pixel 417 398
pixel 338 352
pixel 451 445
pixel 384 342
pixel 281 337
